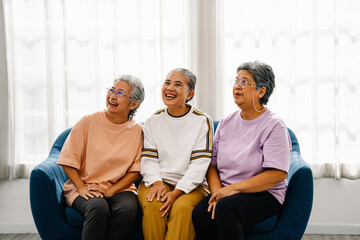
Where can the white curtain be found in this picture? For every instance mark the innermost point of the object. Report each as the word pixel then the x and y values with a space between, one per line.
pixel 62 54
pixel 4 116
pixel 314 49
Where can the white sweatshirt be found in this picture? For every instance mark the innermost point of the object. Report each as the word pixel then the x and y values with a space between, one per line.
pixel 177 150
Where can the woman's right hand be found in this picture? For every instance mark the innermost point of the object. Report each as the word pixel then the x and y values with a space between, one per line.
pixel 157 191
pixel 82 187
pixel 211 209
pixel 86 193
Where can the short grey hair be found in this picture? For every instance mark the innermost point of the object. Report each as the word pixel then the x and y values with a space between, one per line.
pixel 137 92
pixel 263 76
pixel 192 79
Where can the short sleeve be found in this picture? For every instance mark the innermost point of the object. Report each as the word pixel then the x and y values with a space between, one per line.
pixel 73 150
pixel 277 149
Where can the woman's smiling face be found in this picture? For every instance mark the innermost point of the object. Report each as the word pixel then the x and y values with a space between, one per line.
pixel 115 104
pixel 175 90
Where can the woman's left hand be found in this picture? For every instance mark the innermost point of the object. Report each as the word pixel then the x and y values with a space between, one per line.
pixel 169 199
pixel 96 187
pixel 222 192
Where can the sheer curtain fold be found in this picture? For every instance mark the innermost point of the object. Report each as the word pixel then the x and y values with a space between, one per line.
pixel 203 42
pixel 312 47
pixel 62 54
pixel 4 104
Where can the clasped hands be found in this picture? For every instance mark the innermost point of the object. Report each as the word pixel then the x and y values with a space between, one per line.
pixel 94 190
pixel 159 192
pixel 217 195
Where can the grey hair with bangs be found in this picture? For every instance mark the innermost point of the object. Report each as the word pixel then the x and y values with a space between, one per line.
pixel 191 79
pixel 137 92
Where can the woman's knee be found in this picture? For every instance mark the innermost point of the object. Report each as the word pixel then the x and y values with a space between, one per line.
pixel 126 205
pixel 224 209
pixel 97 207
pixel 182 206
pixel 152 207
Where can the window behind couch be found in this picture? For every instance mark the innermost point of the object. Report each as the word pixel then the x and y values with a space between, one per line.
pixel 62 55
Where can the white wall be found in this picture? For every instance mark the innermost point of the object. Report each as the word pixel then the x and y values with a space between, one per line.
pixel 15 213
pixel 336 207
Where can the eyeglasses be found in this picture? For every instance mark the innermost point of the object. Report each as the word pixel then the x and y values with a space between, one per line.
pixel 119 94
pixel 242 83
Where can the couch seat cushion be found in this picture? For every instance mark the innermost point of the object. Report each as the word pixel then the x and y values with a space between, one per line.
pixel 74 218
pixel 265 226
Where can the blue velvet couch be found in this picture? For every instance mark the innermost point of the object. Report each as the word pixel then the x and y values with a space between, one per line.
pixel 55 220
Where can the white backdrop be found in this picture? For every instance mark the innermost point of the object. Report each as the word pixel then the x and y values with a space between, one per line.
pixel 62 54
pixel 314 49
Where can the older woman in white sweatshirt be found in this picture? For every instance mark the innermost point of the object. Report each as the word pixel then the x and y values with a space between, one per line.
pixel 176 155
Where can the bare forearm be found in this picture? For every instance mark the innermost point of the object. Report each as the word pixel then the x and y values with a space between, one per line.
pixel 74 176
pixel 177 193
pixel 124 182
pixel 213 179
pixel 260 182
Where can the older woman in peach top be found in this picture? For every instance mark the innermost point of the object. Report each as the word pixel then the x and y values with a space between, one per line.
pixel 101 157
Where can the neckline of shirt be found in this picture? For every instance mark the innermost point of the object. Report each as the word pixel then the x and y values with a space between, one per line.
pixel 255 120
pixel 126 124
pixel 179 117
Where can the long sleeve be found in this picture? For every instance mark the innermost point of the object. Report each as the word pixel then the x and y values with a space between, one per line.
pixel 149 167
pixel 200 158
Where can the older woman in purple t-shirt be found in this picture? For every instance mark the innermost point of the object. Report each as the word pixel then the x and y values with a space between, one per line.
pixel 250 160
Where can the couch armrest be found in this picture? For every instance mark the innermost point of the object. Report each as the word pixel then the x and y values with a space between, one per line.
pixel 298 201
pixel 47 202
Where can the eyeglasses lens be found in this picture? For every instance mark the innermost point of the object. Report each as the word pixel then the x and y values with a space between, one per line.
pixel 119 94
pixel 243 83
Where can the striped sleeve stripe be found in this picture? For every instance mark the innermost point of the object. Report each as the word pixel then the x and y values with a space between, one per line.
pixel 200 151
pixel 149 152
pixel 149 156
pixel 159 111
pixel 200 154
pixel 209 133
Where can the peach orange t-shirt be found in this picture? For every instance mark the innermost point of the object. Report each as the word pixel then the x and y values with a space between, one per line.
pixel 102 152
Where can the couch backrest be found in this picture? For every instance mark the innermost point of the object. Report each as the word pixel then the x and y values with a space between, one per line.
pixel 296 160
pixel 58 172
pixel 58 144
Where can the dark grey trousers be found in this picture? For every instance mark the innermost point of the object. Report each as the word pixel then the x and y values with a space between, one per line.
pixel 231 214
pixel 108 218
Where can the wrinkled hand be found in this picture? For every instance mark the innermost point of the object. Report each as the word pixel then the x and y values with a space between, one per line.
pixel 157 191
pixel 222 192
pixel 97 188
pixel 212 207
pixel 169 200
pixel 86 193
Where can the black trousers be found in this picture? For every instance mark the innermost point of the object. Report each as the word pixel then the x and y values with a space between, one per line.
pixel 232 213
pixel 108 218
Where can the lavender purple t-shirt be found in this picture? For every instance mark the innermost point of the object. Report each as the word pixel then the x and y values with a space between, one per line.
pixel 245 148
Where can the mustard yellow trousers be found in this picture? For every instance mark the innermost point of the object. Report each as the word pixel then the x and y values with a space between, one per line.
pixel 178 224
